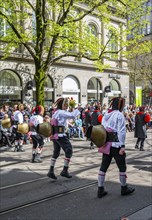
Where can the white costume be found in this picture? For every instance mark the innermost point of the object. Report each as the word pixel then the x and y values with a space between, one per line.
pixel 62 115
pixel 115 120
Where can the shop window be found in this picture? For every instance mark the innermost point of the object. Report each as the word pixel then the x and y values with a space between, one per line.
pixel 114 85
pixel 10 86
pixel 94 90
pixel 71 88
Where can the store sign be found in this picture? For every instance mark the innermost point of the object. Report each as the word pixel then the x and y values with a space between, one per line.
pixel 71 90
pixel 9 89
pixel 6 91
pixel 114 76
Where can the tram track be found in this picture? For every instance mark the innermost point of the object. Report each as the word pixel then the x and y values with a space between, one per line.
pixel 46 198
pixel 132 158
pixel 54 195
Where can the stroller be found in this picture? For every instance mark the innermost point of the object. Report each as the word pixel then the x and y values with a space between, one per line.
pixel 7 138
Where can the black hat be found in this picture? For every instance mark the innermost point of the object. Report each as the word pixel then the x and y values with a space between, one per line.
pixel 61 102
pixel 117 103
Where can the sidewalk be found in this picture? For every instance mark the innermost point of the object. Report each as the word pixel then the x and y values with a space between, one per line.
pixel 145 214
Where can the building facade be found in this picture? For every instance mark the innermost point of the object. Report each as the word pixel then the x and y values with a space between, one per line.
pixel 69 78
pixel 142 65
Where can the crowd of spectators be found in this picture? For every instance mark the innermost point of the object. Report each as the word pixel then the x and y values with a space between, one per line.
pixel 91 114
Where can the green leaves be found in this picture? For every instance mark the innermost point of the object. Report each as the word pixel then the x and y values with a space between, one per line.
pixel 50 30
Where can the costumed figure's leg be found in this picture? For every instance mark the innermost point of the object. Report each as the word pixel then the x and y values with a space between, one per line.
pixel 35 150
pixel 65 172
pixel 38 154
pixel 106 160
pixel 14 130
pixel 137 143
pixel 51 173
pixel 142 144
pixel 67 148
pixel 121 163
pixel 39 148
pixel 34 141
pixel 20 144
pixel 17 141
pixel 91 145
pixel 55 155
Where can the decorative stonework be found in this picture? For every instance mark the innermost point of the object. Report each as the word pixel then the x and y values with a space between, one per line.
pixel 57 78
pixel 26 72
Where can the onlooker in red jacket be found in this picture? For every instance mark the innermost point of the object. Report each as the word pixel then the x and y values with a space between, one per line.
pixel 141 120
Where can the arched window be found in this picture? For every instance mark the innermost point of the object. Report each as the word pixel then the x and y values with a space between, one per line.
pixel 112 46
pixel 114 85
pixel 115 89
pixel 10 86
pixel 92 40
pixel 49 91
pixel 92 30
pixel 94 90
pixel 71 88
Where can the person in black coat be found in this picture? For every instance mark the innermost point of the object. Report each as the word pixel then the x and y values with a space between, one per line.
pixel 96 118
pixel 141 120
pixel 87 118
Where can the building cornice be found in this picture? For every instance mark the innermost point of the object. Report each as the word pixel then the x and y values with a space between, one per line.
pixel 66 64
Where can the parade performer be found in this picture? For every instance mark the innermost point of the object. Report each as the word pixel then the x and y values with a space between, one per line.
pixel 37 139
pixel 60 117
pixel 114 120
pixel 141 121
pixel 17 118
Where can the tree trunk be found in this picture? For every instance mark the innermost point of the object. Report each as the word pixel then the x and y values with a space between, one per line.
pixel 39 81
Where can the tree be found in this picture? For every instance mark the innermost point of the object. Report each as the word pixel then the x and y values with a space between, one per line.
pixel 53 29
pixel 140 64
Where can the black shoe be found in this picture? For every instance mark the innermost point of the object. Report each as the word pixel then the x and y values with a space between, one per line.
pixel 141 149
pixel 16 148
pixel 91 146
pixel 125 190
pixel 36 159
pixel 136 146
pixel 20 149
pixel 51 175
pixel 65 174
pixel 101 193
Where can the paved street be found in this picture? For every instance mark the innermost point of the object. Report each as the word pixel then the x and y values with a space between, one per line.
pixel 27 193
